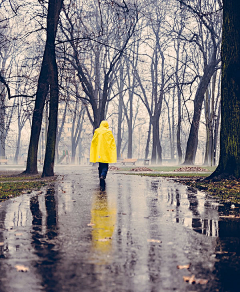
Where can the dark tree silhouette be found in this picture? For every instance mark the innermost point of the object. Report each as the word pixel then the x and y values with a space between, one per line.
pixel 48 77
pixel 229 162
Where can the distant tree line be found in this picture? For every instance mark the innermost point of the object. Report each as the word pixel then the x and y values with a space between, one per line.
pixel 152 65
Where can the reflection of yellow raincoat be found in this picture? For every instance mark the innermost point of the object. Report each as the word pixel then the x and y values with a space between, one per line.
pixel 103 147
pixel 103 220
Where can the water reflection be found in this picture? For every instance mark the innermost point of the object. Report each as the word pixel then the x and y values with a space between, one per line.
pixel 103 220
pixel 3 248
pixel 43 239
pixel 140 230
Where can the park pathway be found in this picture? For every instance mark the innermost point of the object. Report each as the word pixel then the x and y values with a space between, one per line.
pixel 141 234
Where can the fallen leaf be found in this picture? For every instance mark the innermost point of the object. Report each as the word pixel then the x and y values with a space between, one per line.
pixel 39 192
pixel 193 280
pixel 183 267
pixel 230 216
pixel 221 252
pixel 201 281
pixel 91 224
pixel 21 268
pixel 104 239
pixel 154 240
pixel 1 243
pixel 190 280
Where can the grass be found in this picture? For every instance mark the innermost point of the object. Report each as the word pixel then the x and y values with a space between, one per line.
pixel 225 190
pixel 173 175
pixel 19 178
pixel 164 168
pixel 13 189
pixel 14 185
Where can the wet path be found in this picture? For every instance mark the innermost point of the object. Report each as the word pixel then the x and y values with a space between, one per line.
pixel 131 237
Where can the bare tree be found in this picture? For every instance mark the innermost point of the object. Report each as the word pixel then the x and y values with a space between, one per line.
pixel 107 24
pixel 48 77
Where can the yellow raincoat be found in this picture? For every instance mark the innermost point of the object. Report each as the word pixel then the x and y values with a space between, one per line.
pixel 103 147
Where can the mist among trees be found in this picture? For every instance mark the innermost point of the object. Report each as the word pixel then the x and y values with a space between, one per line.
pixel 151 68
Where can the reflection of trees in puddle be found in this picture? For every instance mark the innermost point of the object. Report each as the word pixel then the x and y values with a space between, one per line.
pixel 3 245
pixel 192 209
pixel 204 222
pixel 154 256
pixel 43 239
pixel 3 249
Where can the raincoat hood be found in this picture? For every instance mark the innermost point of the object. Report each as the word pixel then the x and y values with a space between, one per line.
pixel 104 124
pixel 103 147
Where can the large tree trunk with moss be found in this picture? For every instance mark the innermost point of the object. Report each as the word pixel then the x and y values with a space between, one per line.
pixel 43 86
pixel 229 161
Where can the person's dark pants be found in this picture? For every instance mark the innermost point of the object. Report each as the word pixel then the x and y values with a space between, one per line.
pixel 103 169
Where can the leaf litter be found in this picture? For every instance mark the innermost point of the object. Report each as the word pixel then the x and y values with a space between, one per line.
pixel 22 268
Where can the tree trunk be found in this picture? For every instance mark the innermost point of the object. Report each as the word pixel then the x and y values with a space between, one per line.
pixel 207 120
pixel 193 135
pixel 148 140
pixel 229 161
pixel 120 114
pixel 2 124
pixel 42 90
pixel 215 137
pixel 130 131
pixel 156 147
pixel 17 146
pixel 179 149
pixel 54 9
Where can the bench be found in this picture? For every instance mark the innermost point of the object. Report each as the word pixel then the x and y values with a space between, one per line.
pixel 146 161
pixel 129 160
pixel 3 161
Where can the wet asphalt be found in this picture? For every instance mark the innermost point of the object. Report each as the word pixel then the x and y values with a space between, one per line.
pixel 133 236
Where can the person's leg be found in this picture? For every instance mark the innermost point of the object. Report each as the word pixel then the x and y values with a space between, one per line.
pixel 99 169
pixel 104 170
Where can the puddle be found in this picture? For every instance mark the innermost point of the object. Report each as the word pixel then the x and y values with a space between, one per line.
pixel 131 237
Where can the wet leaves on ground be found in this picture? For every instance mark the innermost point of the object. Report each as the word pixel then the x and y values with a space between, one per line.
pixel 181 267
pixel 191 168
pixel 227 190
pixel 104 239
pixel 154 240
pixel 230 216
pixel 90 224
pixel 193 280
pixel 141 169
pixel 22 268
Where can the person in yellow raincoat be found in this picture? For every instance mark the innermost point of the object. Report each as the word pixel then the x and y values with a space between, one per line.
pixel 103 150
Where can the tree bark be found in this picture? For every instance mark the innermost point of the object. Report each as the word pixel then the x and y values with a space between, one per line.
pixel 193 135
pixel 120 114
pixel 148 140
pixel 54 9
pixel 229 161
